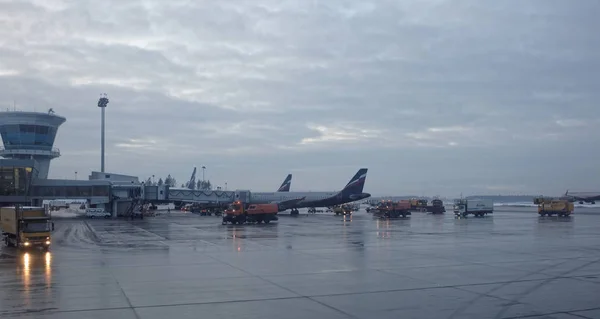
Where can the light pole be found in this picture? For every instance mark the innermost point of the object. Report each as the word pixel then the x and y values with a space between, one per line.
pixel 75 175
pixel 225 185
pixel 203 168
pixel 102 103
pixel 152 180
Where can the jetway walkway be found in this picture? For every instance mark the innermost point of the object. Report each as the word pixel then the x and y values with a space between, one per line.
pixel 199 196
pixel 106 193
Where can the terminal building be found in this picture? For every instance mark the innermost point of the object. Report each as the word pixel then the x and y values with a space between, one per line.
pixel 28 140
pixel 28 148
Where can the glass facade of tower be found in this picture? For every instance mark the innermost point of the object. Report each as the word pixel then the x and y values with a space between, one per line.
pixel 16 181
pixel 28 136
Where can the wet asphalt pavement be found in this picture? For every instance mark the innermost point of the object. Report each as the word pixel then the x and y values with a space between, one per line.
pixel 510 265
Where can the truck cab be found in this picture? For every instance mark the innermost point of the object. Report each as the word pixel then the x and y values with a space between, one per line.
pixel 460 206
pixel 340 210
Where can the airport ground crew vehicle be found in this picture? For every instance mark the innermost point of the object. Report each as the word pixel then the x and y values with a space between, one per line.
pixel 376 208
pixel 550 207
pixel 476 207
pixel 97 213
pixel 348 209
pixel 391 209
pixel 418 204
pixel 239 213
pixel 436 207
pixel 26 227
pixel 342 210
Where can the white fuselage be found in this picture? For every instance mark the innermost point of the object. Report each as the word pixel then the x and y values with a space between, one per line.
pixel 306 199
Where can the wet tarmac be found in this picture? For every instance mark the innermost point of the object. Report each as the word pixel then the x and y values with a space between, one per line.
pixel 510 265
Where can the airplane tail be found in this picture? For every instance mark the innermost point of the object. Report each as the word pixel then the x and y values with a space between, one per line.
pixel 357 183
pixel 285 187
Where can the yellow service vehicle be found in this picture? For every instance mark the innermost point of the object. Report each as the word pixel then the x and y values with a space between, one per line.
pixel 550 207
pixel 26 227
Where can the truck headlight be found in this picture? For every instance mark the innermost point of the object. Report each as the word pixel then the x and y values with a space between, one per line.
pixel 26 243
pixel 47 242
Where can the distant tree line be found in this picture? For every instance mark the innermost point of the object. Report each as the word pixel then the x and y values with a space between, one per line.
pixel 167 181
pixel 200 185
pixel 172 182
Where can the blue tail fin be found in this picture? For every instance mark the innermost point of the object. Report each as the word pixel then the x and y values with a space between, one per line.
pixel 285 187
pixel 357 183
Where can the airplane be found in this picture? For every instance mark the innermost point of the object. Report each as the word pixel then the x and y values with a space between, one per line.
pixel 294 200
pixel 285 186
pixel 583 197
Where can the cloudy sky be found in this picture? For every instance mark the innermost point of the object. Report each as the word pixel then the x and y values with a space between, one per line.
pixel 435 97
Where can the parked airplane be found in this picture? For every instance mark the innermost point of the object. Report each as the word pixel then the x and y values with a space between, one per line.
pixel 583 197
pixel 285 187
pixel 294 200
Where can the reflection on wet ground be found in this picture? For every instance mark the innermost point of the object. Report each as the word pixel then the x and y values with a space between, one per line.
pixel 510 265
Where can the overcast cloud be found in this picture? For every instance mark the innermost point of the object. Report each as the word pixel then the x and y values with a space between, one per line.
pixel 434 97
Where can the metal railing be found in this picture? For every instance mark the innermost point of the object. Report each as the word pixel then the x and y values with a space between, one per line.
pixel 26 151
pixel 50 111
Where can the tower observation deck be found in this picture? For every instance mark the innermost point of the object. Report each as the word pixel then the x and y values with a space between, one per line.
pixel 30 135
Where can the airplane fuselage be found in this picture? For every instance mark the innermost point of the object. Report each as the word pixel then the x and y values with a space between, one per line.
pixel 583 197
pixel 288 200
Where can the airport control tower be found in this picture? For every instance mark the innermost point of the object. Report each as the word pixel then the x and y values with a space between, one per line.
pixel 30 135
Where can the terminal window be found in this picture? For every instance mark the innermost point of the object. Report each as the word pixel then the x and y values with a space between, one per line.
pixel 70 191
pixel 15 181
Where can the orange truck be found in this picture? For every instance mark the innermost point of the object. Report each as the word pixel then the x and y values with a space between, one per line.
pixel 391 209
pixel 240 213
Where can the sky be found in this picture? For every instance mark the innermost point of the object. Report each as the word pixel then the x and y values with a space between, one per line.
pixel 434 97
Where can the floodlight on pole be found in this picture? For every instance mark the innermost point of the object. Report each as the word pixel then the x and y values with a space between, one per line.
pixel 102 103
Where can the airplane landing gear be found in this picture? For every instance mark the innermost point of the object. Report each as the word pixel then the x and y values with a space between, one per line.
pixel 294 212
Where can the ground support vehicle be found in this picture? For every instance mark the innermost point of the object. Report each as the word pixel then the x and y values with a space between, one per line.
pixel 205 212
pixel 418 204
pixel 26 227
pixel 97 213
pixel 392 209
pixel 436 207
pixel 551 207
pixel 476 207
pixel 342 210
pixel 239 213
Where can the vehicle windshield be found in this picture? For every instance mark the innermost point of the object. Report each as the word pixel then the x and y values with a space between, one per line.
pixel 34 227
pixel 234 207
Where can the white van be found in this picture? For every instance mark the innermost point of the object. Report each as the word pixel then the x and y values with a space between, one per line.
pixel 97 213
